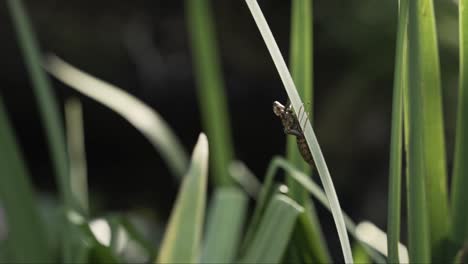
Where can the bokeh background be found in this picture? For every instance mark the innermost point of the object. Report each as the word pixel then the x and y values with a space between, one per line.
pixel 144 48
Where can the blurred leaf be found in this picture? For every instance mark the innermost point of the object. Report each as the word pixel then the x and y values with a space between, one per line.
pixel 76 152
pixel 49 113
pixel 360 255
pixel 140 241
pixel 127 242
pixel 301 64
pixel 181 242
pixel 306 127
pixel 224 226
pixel 460 168
pixel 400 82
pixel 275 228
pixel 418 228
pixel 142 117
pixel 370 234
pixel 26 238
pixel 310 241
pixel 211 96
pixel 244 178
pixel 266 191
pixel 435 170
pixel 46 100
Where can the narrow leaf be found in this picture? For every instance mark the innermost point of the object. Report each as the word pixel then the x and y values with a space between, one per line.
pixel 211 97
pixel 433 128
pixel 181 242
pixel 24 229
pixel 272 236
pixel 302 74
pixel 418 230
pixel 400 81
pixel 309 235
pixel 224 225
pixel 76 152
pixel 46 100
pixel 141 116
pixel 460 168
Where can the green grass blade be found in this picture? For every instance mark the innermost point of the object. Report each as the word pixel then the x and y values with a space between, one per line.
pixel 302 74
pixel 224 225
pixel 399 83
pixel 181 240
pixel 141 116
pixel 301 63
pixel 264 195
pixel 76 152
pixel 50 116
pixel 46 100
pixel 306 127
pixel 276 226
pixel 434 139
pixel 460 168
pixel 418 229
pixel 26 234
pixel 212 99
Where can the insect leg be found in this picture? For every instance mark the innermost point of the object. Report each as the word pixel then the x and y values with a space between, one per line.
pixel 304 116
pixel 301 113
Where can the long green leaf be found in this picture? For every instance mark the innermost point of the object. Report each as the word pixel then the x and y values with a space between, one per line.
pixel 399 83
pixel 181 242
pixel 306 127
pixel 309 237
pixel 49 113
pixel 224 225
pixel 434 139
pixel 262 198
pixel 272 236
pixel 460 168
pixel 302 74
pixel 211 97
pixel 25 231
pixel 141 116
pixel 46 100
pixel 418 230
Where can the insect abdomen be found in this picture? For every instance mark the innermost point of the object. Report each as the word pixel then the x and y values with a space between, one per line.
pixel 304 150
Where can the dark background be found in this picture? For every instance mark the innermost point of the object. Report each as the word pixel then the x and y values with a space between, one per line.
pixel 143 47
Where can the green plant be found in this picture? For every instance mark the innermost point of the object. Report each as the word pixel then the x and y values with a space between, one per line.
pixel 283 226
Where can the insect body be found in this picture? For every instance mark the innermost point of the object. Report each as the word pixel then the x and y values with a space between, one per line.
pixel 292 127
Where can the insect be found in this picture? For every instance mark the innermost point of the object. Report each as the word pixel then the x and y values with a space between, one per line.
pixel 292 126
